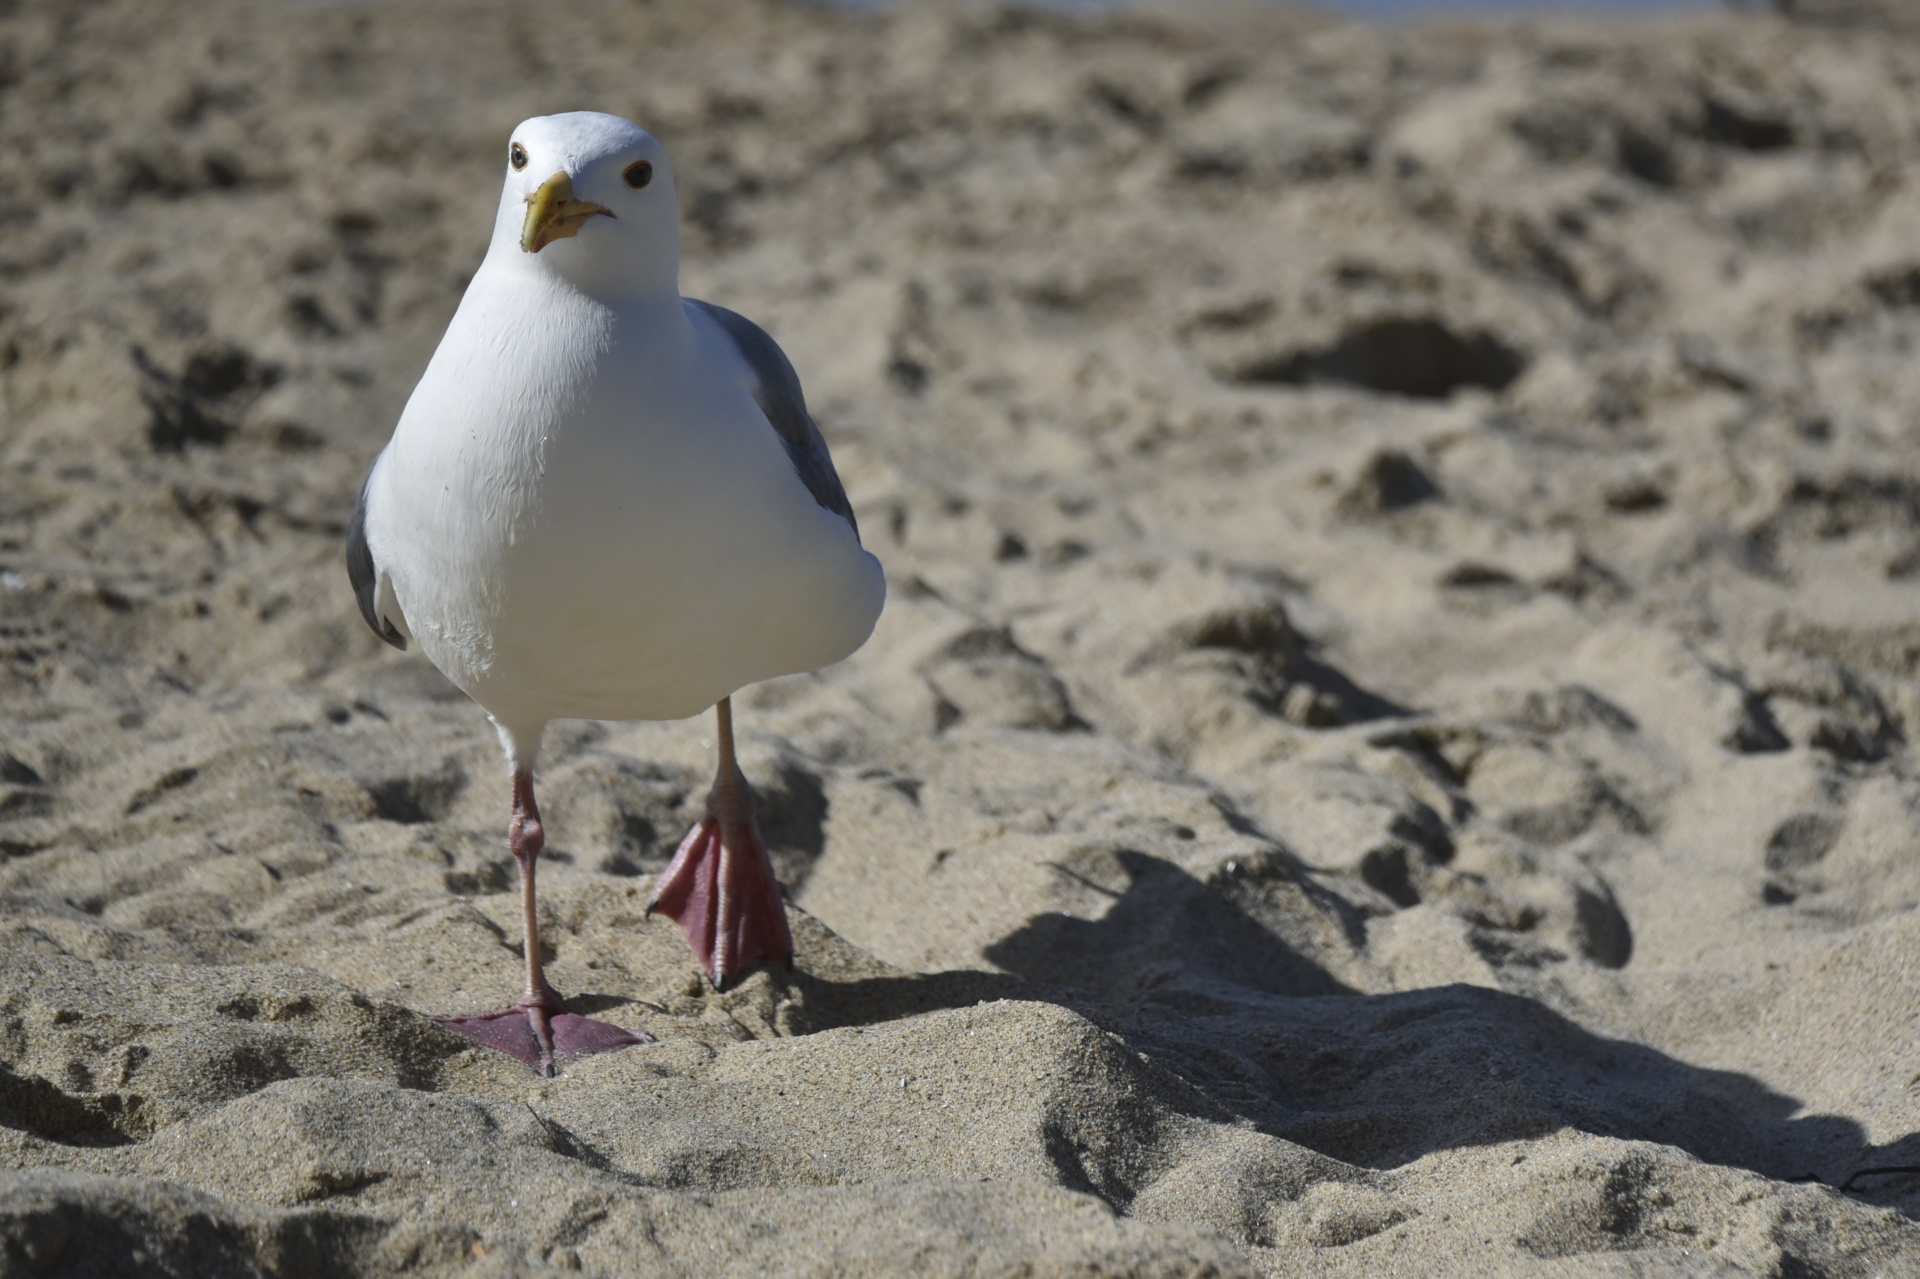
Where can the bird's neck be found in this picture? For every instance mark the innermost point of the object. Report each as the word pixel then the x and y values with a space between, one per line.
pixel 620 282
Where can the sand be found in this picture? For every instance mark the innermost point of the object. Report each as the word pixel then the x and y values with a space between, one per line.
pixel 1391 748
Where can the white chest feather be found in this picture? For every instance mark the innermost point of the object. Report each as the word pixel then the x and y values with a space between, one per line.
pixel 584 514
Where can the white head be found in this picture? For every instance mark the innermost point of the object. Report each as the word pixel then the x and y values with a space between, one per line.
pixel 590 197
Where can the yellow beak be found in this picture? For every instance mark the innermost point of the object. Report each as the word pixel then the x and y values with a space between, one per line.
pixel 553 213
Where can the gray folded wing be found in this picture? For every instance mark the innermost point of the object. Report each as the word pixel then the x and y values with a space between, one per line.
pixel 362 573
pixel 776 389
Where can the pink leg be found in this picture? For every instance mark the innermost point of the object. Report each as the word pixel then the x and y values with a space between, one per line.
pixel 539 1025
pixel 720 887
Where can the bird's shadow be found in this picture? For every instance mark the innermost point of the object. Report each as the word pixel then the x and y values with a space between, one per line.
pixel 1192 979
pixel 792 812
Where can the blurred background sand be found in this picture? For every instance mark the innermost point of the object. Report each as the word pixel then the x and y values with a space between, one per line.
pixel 1390 750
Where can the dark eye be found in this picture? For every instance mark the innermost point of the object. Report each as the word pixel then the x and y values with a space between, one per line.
pixel 638 174
pixel 517 157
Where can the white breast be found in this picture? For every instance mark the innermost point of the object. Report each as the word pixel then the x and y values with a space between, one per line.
pixel 583 514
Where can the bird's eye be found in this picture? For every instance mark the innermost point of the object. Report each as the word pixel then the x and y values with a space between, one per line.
pixel 517 157
pixel 638 174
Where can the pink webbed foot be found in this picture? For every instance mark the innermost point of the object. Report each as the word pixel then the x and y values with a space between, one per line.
pixel 538 1028
pixel 537 1034
pixel 721 891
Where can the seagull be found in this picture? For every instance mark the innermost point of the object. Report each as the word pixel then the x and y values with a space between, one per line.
pixel 607 501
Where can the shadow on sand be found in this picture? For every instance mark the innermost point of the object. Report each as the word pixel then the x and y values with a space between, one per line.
pixel 1194 981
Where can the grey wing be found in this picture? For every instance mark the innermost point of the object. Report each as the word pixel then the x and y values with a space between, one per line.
pixel 362 573
pixel 776 389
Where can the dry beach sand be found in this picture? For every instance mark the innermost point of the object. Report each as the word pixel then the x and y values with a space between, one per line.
pixel 1391 749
